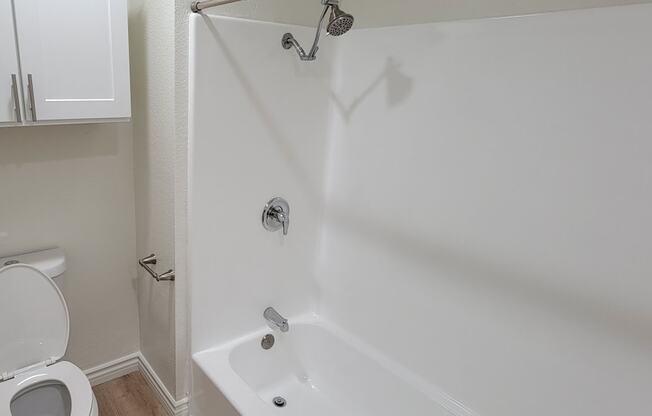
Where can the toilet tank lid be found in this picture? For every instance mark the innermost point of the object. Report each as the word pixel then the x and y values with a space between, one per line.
pixel 51 262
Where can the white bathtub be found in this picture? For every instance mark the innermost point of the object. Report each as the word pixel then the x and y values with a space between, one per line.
pixel 318 370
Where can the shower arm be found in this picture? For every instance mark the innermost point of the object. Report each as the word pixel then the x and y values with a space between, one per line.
pixel 289 40
pixel 315 48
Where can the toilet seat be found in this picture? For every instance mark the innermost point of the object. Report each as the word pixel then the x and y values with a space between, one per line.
pixel 34 329
pixel 79 388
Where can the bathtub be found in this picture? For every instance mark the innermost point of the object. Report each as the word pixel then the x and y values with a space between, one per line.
pixel 319 370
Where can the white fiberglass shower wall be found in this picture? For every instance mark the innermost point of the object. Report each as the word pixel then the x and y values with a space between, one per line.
pixel 471 210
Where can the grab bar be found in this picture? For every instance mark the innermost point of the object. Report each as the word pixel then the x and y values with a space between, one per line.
pixel 164 277
pixel 198 6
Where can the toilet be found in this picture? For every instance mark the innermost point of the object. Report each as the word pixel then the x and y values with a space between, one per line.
pixel 34 329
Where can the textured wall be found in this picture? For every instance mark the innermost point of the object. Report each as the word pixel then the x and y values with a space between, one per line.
pixel 152 37
pixel 72 186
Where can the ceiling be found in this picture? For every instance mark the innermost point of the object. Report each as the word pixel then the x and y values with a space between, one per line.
pixel 377 13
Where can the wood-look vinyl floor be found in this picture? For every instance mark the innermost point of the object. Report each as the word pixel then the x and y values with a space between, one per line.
pixel 128 395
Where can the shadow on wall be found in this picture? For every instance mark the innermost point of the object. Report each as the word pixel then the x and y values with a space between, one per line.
pixel 139 82
pixel 139 100
pixel 302 173
pixel 398 87
pixel 20 145
pixel 625 323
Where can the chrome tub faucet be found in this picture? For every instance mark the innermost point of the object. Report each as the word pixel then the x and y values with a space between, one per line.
pixel 275 320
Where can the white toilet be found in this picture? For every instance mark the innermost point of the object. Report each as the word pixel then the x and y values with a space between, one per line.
pixel 34 328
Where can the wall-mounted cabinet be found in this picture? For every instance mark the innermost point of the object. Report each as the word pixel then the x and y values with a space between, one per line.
pixel 70 59
pixel 9 73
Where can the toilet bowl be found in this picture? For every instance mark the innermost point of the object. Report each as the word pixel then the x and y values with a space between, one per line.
pixel 34 330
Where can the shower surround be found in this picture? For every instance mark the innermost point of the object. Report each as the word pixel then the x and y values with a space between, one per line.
pixel 470 217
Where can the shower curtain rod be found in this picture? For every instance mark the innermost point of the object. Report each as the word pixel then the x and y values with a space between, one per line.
pixel 198 6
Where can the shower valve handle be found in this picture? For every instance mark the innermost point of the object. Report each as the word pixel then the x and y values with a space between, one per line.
pixel 285 221
pixel 276 215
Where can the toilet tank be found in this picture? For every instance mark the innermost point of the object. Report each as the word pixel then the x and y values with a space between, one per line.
pixel 51 262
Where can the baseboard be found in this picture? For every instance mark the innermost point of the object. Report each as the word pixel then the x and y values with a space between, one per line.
pixel 137 362
pixel 172 406
pixel 113 369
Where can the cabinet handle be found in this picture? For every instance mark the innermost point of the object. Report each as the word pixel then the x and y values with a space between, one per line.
pixel 32 103
pixel 14 95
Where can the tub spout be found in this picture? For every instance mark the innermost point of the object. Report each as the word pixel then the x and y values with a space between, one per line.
pixel 275 320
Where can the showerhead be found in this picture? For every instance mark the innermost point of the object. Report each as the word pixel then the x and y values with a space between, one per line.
pixel 339 22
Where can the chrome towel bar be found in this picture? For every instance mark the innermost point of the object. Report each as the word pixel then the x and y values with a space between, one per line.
pixel 198 6
pixel 151 259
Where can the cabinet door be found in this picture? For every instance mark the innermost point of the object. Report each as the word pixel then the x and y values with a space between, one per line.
pixel 9 75
pixel 74 58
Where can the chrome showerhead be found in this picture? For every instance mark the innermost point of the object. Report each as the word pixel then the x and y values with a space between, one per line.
pixel 339 22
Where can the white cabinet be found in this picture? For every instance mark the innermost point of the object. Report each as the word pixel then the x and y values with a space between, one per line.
pixel 9 75
pixel 74 59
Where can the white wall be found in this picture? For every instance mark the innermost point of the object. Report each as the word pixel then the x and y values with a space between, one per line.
pixel 72 186
pixel 290 11
pixel 258 130
pixel 152 43
pixel 489 215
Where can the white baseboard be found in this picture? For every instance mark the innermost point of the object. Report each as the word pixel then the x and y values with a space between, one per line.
pixel 137 362
pixel 113 369
pixel 172 406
